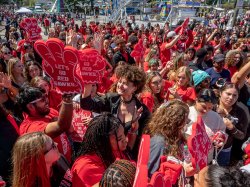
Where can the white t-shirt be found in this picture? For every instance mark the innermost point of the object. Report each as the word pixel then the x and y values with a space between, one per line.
pixel 213 122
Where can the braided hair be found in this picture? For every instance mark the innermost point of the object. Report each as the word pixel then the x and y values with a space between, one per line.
pixel 119 174
pixel 96 140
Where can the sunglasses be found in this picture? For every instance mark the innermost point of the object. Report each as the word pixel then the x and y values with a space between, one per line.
pixel 53 146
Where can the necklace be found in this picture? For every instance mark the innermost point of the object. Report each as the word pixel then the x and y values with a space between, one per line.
pixel 127 102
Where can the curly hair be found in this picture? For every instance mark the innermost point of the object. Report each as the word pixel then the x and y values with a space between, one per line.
pixel 230 59
pixel 119 174
pixel 178 61
pixel 132 74
pixel 151 54
pixel 96 140
pixel 168 121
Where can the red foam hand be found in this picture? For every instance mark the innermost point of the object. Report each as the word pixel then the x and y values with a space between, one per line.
pixel 139 50
pixel 60 63
pixel 185 23
pixel 141 175
pixel 91 66
pixel 199 144
pixel 31 28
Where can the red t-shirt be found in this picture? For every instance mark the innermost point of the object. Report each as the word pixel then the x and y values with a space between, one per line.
pixel 55 100
pixel 166 53
pixel 36 124
pixel 167 85
pixel 232 70
pixel 46 22
pixel 148 99
pixel 87 171
pixel 187 94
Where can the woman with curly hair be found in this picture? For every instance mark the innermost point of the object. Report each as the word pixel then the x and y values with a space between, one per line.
pixel 103 142
pixel 234 61
pixel 123 104
pixel 166 132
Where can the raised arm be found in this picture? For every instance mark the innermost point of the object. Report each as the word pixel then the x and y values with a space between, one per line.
pixel 63 124
pixel 98 104
pixel 240 76
pixel 173 42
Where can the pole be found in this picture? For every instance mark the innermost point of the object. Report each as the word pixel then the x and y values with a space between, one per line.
pixel 236 10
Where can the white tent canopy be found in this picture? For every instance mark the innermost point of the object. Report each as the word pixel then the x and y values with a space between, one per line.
pixel 24 10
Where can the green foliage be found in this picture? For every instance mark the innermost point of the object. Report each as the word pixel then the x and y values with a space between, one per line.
pixel 73 4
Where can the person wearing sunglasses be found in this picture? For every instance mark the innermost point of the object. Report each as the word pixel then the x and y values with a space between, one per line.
pixel 203 106
pixel 152 95
pixel 40 117
pixel 35 160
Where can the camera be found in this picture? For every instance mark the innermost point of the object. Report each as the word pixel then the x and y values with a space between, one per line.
pixel 232 119
pixel 220 82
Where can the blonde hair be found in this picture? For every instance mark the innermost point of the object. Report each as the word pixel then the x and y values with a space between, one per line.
pixel 188 74
pixel 178 61
pixel 168 120
pixel 29 167
pixel 151 54
pixel 11 63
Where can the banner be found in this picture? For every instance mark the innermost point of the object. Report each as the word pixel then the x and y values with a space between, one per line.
pixel 199 144
pixel 91 66
pixel 60 63
pixel 31 28
pixel 79 124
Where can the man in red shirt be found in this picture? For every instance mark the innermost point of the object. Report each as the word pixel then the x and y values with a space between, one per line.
pixel 46 25
pixel 168 46
pixel 39 117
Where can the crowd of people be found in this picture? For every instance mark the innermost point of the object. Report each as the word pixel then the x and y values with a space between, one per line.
pixel 186 72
